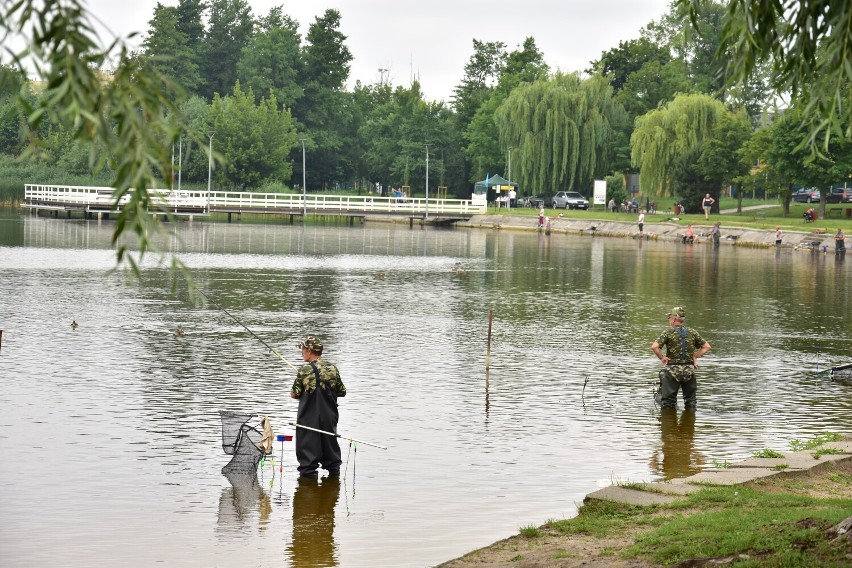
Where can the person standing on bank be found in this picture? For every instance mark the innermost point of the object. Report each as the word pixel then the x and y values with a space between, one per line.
pixel 684 347
pixel 839 241
pixel 317 388
pixel 707 204
pixel 641 222
pixel 778 236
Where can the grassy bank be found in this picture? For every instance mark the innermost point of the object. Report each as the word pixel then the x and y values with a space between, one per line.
pixel 787 519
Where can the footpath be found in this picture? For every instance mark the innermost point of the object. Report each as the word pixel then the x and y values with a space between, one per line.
pixel 665 231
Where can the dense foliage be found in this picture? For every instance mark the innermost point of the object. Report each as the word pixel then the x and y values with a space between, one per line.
pixel 679 103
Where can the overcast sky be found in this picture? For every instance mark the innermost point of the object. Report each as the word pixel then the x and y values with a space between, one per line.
pixel 433 39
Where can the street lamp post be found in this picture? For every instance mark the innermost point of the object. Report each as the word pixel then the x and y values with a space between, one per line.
pixel 427 181
pixel 510 173
pixel 304 188
pixel 209 168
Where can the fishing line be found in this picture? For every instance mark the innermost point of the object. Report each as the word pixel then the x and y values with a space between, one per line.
pixel 295 425
pixel 253 334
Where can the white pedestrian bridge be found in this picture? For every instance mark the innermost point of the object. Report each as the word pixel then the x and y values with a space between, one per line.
pixel 98 201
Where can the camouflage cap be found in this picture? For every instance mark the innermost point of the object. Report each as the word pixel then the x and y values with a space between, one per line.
pixel 677 312
pixel 312 343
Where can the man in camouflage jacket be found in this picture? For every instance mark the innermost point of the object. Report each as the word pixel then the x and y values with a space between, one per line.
pixel 317 387
pixel 684 347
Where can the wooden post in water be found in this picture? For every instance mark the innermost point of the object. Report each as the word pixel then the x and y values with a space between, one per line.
pixel 488 352
pixel 1 339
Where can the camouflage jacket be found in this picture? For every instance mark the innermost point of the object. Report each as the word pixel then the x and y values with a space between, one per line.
pixel 329 379
pixel 674 342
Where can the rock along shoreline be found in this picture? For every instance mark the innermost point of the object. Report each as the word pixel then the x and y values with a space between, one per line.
pixel 731 236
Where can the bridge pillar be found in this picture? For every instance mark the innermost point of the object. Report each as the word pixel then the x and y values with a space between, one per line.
pixel 229 216
pixel 67 213
pixel 56 214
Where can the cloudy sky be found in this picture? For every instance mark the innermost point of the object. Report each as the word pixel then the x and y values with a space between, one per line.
pixel 433 39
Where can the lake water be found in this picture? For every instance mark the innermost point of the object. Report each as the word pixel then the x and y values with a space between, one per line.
pixel 111 438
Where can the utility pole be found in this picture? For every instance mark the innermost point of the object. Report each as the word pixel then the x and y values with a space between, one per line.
pixel 209 168
pixel 427 181
pixel 304 187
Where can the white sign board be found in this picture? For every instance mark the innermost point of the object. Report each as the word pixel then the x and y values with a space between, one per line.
pixel 600 192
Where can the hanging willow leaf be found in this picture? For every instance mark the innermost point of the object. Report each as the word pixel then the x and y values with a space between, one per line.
pixel 130 112
pixel 665 134
pixel 808 47
pixel 561 127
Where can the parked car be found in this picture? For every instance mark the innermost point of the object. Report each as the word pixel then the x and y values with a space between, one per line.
pixel 839 194
pixel 806 195
pixel 569 200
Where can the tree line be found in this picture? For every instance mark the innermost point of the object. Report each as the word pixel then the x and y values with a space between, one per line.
pixel 250 87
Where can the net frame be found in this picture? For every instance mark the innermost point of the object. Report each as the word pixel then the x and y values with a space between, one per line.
pixel 241 441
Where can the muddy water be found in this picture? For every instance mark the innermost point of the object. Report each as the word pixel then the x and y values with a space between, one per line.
pixel 110 433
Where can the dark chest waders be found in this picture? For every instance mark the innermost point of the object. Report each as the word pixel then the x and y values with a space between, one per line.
pixel 318 409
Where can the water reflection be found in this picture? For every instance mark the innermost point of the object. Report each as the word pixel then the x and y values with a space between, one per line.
pixel 565 307
pixel 313 523
pixel 677 456
pixel 243 506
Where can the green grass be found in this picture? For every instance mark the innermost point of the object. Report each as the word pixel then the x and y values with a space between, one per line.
pixel 770 528
pixel 826 452
pixel 815 442
pixel 530 531
pixel 779 529
pixel 768 219
pixel 767 453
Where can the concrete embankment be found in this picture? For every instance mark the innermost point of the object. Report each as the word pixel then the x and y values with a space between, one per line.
pixel 731 236
pixel 734 474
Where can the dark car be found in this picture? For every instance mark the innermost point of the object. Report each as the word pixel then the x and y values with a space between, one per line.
pixel 839 194
pixel 569 200
pixel 806 195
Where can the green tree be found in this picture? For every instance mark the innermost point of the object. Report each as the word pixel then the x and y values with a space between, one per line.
pixel 562 128
pixel 127 114
pixel 666 135
pixel 712 163
pixel 167 49
pixel 481 74
pixel 619 63
pixel 229 30
pixel 807 46
pixel 324 112
pixel 483 151
pixel 12 119
pixel 255 139
pixel 797 165
pixel 694 38
pixel 761 175
pixel 189 22
pixel 395 132
pixel 196 112
pixel 271 62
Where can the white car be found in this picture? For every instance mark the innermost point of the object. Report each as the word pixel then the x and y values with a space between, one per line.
pixel 569 200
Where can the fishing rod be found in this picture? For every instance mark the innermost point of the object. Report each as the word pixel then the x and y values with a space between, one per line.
pixel 337 435
pixel 253 334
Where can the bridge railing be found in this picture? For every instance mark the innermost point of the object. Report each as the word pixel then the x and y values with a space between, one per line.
pixel 101 198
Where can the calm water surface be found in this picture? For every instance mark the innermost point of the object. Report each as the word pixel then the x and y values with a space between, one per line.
pixel 111 439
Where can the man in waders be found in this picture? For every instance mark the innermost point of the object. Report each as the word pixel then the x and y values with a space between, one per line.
pixel 683 348
pixel 317 387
